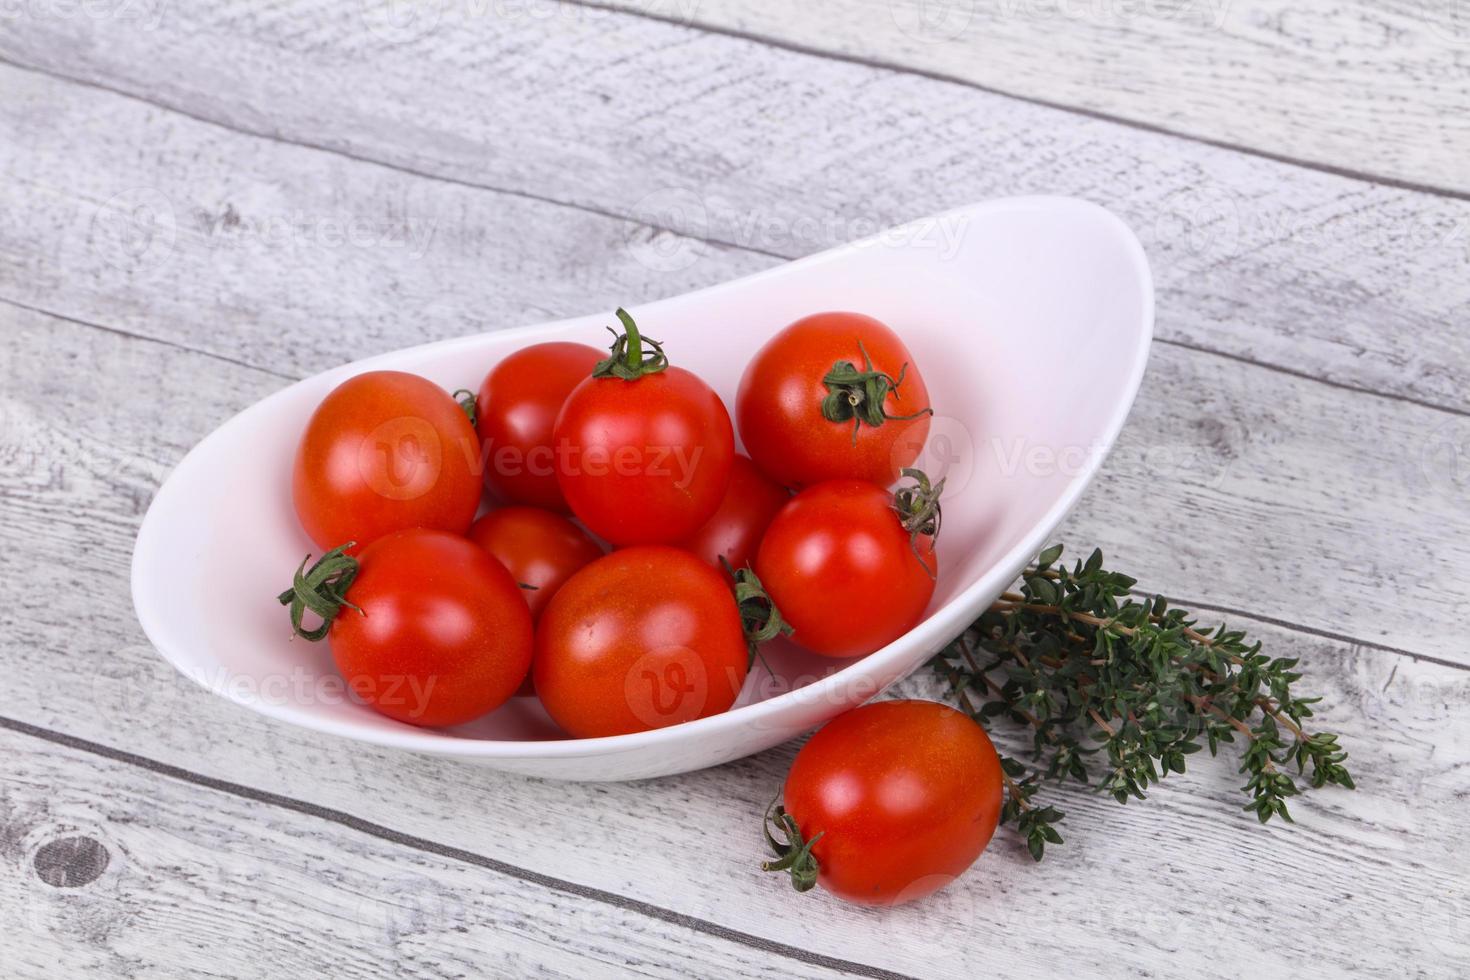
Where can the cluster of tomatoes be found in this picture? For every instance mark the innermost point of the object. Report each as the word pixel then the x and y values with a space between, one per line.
pixel 435 618
pixel 450 616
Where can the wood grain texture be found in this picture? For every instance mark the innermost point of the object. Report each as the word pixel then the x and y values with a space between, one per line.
pixel 281 256
pixel 294 259
pixel 1382 881
pixel 205 883
pixel 222 197
pixel 773 151
pixel 1382 89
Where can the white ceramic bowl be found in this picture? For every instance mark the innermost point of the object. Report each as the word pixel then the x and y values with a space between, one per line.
pixel 1030 318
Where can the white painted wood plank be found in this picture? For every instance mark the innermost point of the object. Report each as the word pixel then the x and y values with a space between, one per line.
pixel 1235 484
pixel 1378 88
pixel 199 882
pixel 54 496
pixel 724 139
pixel 1371 881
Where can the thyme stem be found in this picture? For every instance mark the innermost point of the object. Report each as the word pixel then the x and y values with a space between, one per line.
pixel 1093 668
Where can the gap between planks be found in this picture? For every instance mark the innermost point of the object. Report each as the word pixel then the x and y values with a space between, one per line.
pixel 144 338
pixel 401 839
pixel 898 68
pixel 719 242
pixel 1352 837
pixel 1223 610
pixel 1192 605
pixel 372 161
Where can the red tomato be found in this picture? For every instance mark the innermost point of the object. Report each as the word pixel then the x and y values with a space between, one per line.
pixel 734 532
pixel 645 638
pixel 905 796
pixel 826 399
pixel 384 452
pixel 517 409
pixel 537 547
pixel 842 568
pixel 643 449
pixel 443 635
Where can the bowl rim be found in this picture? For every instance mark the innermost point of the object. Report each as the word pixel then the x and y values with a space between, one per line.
pixel 946 621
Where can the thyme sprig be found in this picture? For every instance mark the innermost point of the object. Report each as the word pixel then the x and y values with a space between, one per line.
pixel 1120 688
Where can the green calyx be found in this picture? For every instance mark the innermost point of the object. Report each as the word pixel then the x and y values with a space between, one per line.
pixel 626 358
pixel 466 400
pixel 860 396
pixel 918 510
pixel 322 589
pixel 793 854
pixel 759 618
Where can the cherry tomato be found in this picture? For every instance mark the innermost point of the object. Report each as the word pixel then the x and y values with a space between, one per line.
pixel 843 569
pixel 833 395
pixel 905 796
pixel 643 449
pixel 537 547
pixel 443 635
pixel 734 532
pixel 645 638
pixel 517 409
pixel 383 452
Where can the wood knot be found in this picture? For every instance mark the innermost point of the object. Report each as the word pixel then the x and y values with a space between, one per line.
pixel 71 862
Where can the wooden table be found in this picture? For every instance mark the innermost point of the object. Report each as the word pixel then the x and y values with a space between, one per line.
pixel 203 201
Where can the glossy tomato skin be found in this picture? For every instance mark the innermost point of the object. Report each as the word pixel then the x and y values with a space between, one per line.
pixel 538 548
pixel 779 404
pixel 734 532
pixel 841 568
pixel 906 795
pixel 644 638
pixel 645 461
pixel 385 451
pixel 517 408
pixel 445 635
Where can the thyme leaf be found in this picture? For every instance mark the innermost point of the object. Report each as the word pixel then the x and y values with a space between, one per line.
pixel 1117 689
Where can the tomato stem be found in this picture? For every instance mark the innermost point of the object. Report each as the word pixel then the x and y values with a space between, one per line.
pixel 793 854
pixel 918 510
pixel 635 339
pixel 861 396
pixel 466 399
pixel 625 358
pixel 322 589
pixel 759 618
